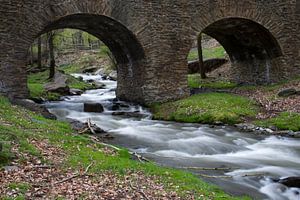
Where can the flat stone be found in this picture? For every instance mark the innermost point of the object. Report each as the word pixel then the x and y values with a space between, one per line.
pixel 129 114
pixel 76 125
pixel 113 76
pixel 93 107
pixel 58 85
pixel 287 92
pixel 117 106
pixel 31 105
pixel 291 182
pixel 99 85
pixel 38 100
pixel 75 91
pixel 80 78
pixel 269 130
pixel 90 70
pixel 11 168
pixel 98 130
pixel 218 123
pixel 246 127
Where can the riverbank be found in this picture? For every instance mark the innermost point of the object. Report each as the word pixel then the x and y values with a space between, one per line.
pixel 259 108
pixel 47 159
pixel 37 82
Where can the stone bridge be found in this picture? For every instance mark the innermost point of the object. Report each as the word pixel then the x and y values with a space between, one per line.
pixel 152 38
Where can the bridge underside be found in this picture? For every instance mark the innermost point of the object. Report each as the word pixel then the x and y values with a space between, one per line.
pixel 151 40
pixel 252 49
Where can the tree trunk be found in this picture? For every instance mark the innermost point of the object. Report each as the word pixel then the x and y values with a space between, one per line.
pixel 200 53
pixel 31 56
pixel 90 43
pixel 40 52
pixel 51 55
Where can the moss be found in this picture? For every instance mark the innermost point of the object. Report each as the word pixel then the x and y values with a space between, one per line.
pixel 207 108
pixel 195 81
pixel 77 84
pixel 80 152
pixel 216 52
pixel 22 187
pixel 284 121
pixel 72 68
pixel 37 81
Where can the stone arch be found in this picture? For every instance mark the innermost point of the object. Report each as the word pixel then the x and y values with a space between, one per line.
pixel 252 48
pixel 122 42
pixel 268 19
pixel 124 45
pixel 244 39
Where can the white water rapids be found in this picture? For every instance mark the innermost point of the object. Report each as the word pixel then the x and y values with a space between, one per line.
pixel 252 162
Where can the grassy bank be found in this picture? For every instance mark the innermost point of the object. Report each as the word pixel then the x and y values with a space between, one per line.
pixel 84 60
pixel 207 108
pixel 195 81
pixel 287 109
pixel 37 81
pixel 284 121
pixel 216 52
pixel 19 127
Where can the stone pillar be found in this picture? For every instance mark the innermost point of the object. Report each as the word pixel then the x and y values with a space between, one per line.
pixel 297 44
pixel 13 79
pixel 130 82
pixel 166 40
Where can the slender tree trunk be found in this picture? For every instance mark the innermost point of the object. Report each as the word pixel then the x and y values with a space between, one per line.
pixel 51 55
pixel 40 52
pixel 201 63
pixel 32 56
pixel 90 43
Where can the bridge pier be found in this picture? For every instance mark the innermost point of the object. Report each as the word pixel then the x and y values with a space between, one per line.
pixel 13 80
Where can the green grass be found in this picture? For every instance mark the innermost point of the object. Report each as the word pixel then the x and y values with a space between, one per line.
pixel 272 87
pixel 207 108
pixel 195 81
pixel 88 60
pixel 18 125
pixel 37 81
pixel 284 121
pixel 216 52
pixel 81 85
pixel 20 188
pixel 71 68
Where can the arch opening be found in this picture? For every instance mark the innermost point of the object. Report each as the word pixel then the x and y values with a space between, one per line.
pixel 252 49
pixel 212 64
pixel 123 44
pixel 243 39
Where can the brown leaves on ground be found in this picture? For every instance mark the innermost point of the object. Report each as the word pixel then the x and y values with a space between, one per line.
pixel 53 181
pixel 271 103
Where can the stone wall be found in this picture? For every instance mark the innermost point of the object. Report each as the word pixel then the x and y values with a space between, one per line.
pixel 151 39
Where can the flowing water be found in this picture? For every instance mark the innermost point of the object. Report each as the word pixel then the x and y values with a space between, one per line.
pixel 246 164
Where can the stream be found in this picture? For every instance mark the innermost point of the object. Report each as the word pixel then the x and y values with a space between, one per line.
pixel 247 163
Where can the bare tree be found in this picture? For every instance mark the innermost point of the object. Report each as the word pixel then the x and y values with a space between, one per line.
pixel 32 56
pixel 200 53
pixel 40 52
pixel 51 36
